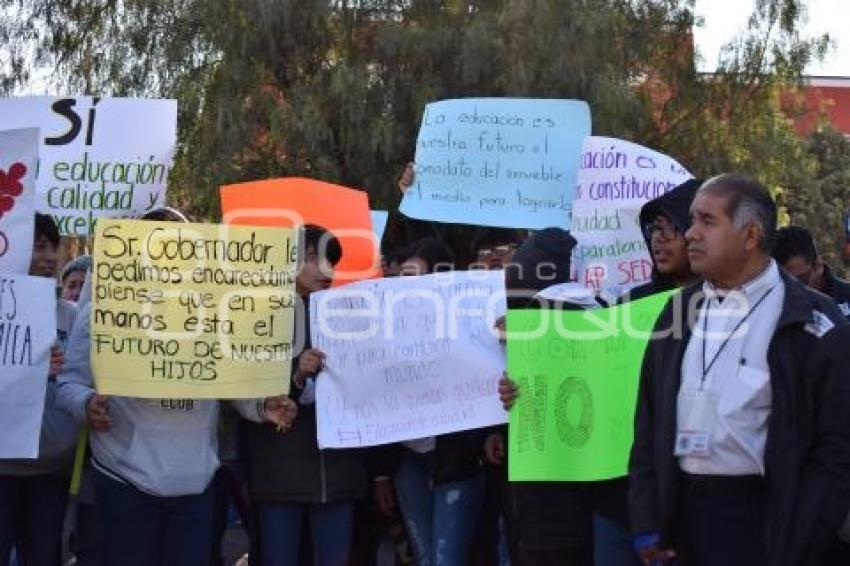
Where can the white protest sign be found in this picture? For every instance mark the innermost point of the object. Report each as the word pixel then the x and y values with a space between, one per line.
pixel 615 179
pixel 99 156
pixel 408 357
pixel 508 162
pixel 27 332
pixel 18 166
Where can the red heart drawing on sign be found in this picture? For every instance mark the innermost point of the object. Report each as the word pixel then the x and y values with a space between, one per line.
pixel 11 186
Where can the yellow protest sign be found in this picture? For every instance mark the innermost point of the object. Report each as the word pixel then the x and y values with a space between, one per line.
pixel 200 311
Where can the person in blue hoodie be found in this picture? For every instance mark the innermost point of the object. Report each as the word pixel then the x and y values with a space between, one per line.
pixel 153 459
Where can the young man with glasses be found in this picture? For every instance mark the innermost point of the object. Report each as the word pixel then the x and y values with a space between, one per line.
pixel 664 221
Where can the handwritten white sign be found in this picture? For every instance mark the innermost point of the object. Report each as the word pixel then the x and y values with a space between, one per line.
pixel 99 156
pixel 27 332
pixel 615 179
pixel 408 357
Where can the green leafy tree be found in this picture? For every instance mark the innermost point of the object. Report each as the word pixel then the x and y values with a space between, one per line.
pixel 821 205
pixel 334 89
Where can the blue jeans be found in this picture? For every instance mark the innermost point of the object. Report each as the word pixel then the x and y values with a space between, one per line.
pixel 330 527
pixel 137 529
pixel 440 519
pixel 32 509
pixel 612 543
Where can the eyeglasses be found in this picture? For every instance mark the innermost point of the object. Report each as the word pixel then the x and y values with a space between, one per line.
pixel 667 230
pixel 496 251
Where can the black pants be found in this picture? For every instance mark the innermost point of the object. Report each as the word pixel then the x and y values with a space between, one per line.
pixel 721 520
pixel 550 523
pixel 32 511
pixel 836 554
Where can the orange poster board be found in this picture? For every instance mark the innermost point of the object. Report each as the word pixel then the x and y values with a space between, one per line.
pixel 295 201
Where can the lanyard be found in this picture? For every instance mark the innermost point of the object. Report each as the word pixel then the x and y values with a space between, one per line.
pixel 741 322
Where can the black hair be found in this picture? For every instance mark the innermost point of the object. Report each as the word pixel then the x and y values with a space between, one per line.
pixel 395 255
pixel 748 202
pixel 794 241
pixel 46 227
pixel 164 214
pixel 322 242
pixel 436 255
pixel 495 237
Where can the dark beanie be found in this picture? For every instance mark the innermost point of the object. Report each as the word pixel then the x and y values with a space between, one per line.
pixel 541 261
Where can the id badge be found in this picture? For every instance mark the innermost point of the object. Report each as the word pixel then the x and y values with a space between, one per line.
pixel 692 443
pixel 696 419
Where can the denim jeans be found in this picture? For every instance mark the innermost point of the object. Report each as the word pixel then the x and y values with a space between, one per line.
pixel 32 509
pixel 137 529
pixel 330 527
pixel 440 519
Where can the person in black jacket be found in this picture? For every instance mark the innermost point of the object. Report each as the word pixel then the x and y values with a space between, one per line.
pixel 289 478
pixel 742 430
pixel 664 221
pixel 548 522
pixel 796 252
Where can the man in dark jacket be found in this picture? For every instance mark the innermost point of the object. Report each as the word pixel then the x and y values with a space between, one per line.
pixel 742 430
pixel 796 252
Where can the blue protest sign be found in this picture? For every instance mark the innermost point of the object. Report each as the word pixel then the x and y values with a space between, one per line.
pixel 379 223
pixel 506 162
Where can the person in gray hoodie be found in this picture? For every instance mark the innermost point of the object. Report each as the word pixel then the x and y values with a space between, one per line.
pixel 153 459
pixel 34 493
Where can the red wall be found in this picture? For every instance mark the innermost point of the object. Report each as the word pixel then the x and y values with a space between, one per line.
pixel 832 102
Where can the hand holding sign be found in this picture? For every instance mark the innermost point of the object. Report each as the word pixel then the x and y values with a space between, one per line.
pixel 310 362
pixel 97 413
pixel 280 411
pixel 508 392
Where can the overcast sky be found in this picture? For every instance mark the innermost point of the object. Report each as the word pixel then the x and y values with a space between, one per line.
pixel 724 19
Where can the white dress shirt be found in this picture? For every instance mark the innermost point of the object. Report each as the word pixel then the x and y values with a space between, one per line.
pixel 725 391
